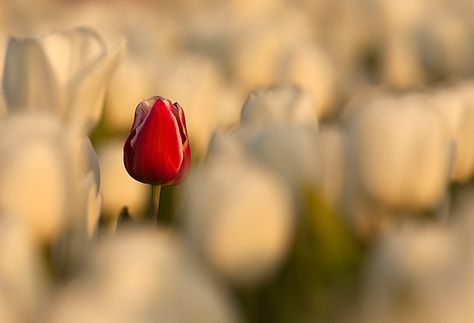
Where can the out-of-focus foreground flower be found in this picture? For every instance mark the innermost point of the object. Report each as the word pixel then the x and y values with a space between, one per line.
pixel 64 73
pixel 53 90
pixel 384 137
pixel 239 217
pixel 53 86
pixel 146 276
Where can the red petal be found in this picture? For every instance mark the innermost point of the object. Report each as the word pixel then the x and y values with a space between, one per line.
pixel 154 151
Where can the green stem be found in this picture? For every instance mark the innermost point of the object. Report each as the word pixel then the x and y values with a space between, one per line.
pixel 155 203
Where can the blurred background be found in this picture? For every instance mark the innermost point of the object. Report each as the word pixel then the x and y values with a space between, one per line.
pixel 333 154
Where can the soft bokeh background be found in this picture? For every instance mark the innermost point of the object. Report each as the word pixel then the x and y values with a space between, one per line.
pixel 333 155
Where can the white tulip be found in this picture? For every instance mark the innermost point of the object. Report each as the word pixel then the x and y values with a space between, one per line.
pixel 146 276
pixel 262 48
pixel 256 58
pixel 53 89
pixel 279 106
pixel 457 106
pixel 416 275
pixel 93 203
pixel 278 129
pixel 41 169
pixel 65 73
pixel 293 153
pixel 22 278
pixel 398 152
pixel 239 217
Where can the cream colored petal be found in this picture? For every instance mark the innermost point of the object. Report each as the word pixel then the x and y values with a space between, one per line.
pixel 32 168
pixel 86 91
pixel 399 151
pixel 42 163
pixel 65 72
pixel 457 108
pixel 239 217
pixel 294 154
pixel 93 204
pixel 283 105
pixel 143 276
pixel 24 291
pixel 28 79
pixel 71 51
pixel 415 275
pixel 91 163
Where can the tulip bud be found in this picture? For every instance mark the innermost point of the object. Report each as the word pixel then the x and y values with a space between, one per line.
pixel 157 150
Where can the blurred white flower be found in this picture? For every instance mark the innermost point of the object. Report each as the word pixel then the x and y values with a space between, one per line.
pixel 444 41
pixel 65 73
pixel 278 106
pixel 93 203
pixel 143 276
pixel 293 153
pixel 457 106
pixel 279 130
pixel 53 88
pixel 416 275
pixel 256 57
pixel 398 152
pixel 239 217
pixel 117 187
pixel 42 167
pixel 23 288
pixel 311 68
pixel 262 47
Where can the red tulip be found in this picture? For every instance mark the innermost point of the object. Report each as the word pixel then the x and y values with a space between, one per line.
pixel 157 149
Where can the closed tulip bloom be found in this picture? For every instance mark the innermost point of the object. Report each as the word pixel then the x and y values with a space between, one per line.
pixel 157 150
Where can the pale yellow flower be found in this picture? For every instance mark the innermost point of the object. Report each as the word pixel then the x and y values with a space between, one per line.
pixel 143 276
pixel 54 87
pixel 43 172
pixel 23 280
pixel 239 217
pixel 65 73
pixel 398 152
pixel 456 105
pixel 279 106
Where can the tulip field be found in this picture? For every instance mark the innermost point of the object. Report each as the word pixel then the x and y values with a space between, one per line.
pixel 233 161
